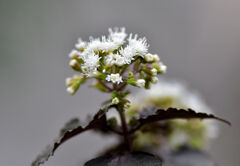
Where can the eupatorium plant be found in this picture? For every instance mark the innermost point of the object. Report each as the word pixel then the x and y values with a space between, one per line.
pixel 114 62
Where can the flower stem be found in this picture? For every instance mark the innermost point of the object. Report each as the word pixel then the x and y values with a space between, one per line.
pixel 126 135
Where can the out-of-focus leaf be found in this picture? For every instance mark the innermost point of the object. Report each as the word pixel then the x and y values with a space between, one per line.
pixel 127 159
pixel 188 157
pixel 71 129
pixel 152 115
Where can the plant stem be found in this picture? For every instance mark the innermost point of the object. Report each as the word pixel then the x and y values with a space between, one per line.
pixel 125 129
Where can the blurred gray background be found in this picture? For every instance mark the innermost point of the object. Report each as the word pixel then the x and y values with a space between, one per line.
pixel 199 40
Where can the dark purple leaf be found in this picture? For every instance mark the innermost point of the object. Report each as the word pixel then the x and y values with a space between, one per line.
pixel 152 115
pixel 127 159
pixel 71 129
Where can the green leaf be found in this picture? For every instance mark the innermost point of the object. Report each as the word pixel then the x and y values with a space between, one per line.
pixel 127 159
pixel 71 129
pixel 152 115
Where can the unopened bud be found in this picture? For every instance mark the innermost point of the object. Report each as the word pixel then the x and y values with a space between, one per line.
pixel 141 82
pixel 149 57
pixel 154 80
pixel 130 74
pixel 68 81
pixel 154 71
pixel 163 68
pixel 70 90
pixel 156 58
pixel 115 100
pixel 74 54
pixel 127 105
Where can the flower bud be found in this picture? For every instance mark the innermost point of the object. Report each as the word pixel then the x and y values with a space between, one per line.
pixel 149 57
pixel 154 80
pixel 127 105
pixel 68 81
pixel 141 83
pixel 156 58
pixel 70 90
pixel 75 65
pixel 130 74
pixel 74 54
pixel 154 71
pixel 163 68
pixel 115 100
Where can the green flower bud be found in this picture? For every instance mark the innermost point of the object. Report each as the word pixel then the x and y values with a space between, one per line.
pixel 115 100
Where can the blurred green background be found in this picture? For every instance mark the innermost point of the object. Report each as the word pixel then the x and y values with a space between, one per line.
pixel 198 40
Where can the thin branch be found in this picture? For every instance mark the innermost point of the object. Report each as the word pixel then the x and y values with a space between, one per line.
pixel 107 87
pixel 121 86
pixel 125 130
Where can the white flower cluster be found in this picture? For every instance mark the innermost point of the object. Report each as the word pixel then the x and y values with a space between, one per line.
pixel 114 78
pixel 174 94
pixel 110 56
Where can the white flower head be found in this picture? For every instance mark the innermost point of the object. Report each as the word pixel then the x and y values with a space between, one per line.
pixel 94 45
pixel 81 45
pixel 140 45
pixel 117 35
pixel 91 63
pixel 128 53
pixel 108 56
pixel 115 59
pixel 92 60
pixel 141 82
pixel 114 78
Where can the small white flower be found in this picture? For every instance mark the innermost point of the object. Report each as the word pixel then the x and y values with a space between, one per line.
pixel 149 57
pixel 70 90
pixel 154 71
pixel 114 59
pixel 114 78
pixel 109 60
pixel 140 45
pixel 74 54
pixel 92 60
pixel 108 45
pixel 115 100
pixel 128 53
pixel 91 63
pixel 80 45
pixel 141 82
pixel 94 45
pixel 154 80
pixel 119 60
pixel 117 35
